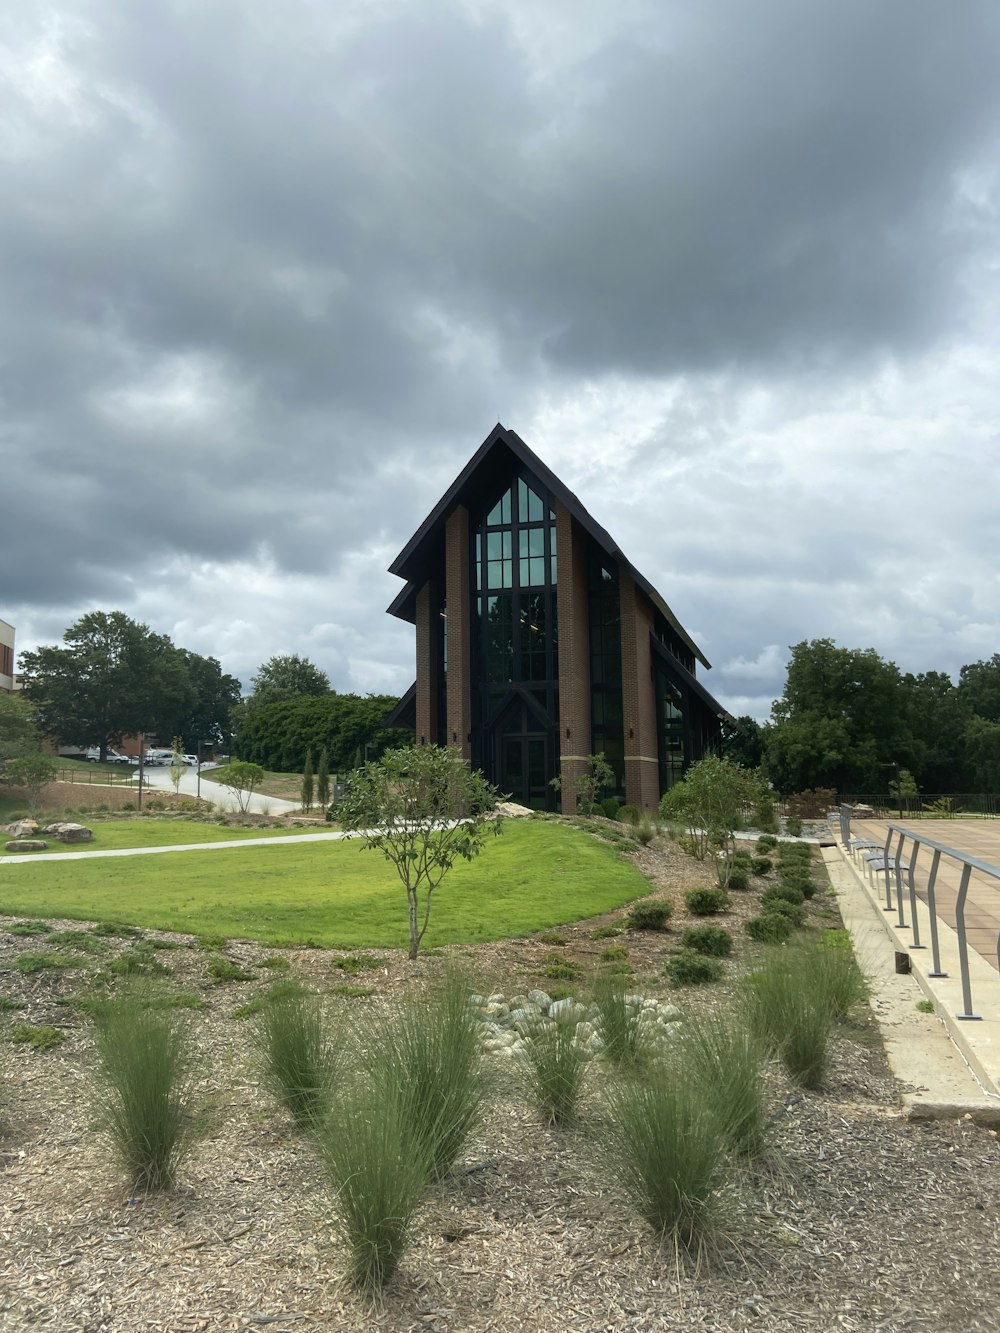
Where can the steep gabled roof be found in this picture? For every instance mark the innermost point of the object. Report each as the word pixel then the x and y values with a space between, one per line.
pixel 474 486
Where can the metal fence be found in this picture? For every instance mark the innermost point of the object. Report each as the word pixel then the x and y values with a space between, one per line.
pixel 95 776
pixel 897 859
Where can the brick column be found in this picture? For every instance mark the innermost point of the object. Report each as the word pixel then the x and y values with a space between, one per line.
pixel 428 665
pixel 642 778
pixel 456 562
pixel 574 655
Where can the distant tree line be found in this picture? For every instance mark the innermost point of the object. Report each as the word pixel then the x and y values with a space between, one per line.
pixel 850 720
pixel 280 735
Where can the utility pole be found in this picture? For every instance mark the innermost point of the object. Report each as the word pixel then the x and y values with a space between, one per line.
pixel 142 760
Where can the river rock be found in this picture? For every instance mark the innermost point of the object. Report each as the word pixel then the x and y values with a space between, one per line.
pixel 25 845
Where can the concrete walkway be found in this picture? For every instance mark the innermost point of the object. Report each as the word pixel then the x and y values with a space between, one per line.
pixel 25 858
pixel 948 1067
pixel 259 803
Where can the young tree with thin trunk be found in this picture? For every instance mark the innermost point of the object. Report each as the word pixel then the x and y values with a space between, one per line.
pixel 424 809
pixel 323 779
pixel 307 782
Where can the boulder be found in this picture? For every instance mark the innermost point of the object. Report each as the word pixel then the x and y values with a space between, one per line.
pixel 23 828
pixel 67 832
pixel 25 845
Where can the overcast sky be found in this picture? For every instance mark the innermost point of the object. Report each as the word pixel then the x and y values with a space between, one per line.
pixel 271 272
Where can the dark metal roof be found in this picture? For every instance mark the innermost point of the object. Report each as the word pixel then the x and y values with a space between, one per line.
pixel 685 677
pixel 405 712
pixel 485 468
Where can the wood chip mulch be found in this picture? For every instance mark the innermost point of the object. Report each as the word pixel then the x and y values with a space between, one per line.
pixel 860 1221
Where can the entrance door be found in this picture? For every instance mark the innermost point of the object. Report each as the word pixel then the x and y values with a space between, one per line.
pixel 523 768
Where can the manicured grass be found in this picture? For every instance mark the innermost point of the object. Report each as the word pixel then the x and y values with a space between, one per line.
pixel 114 834
pixel 285 786
pixel 334 894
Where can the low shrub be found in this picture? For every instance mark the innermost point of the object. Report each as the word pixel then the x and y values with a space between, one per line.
pixel 706 902
pixel 605 932
pixel 83 940
pixel 40 1038
pixel 766 842
pixel 30 963
pixel 115 930
pixel 736 878
pixel 560 969
pixel 275 962
pixel 799 880
pixel 222 969
pixel 355 963
pixel 692 969
pixel 771 928
pixel 783 892
pixel 629 814
pixel 281 990
pixel 212 942
pixel 136 963
pixel 761 865
pixel 793 827
pixel 782 907
pixel 650 914
pixel 713 941
pixel 552 937
pixel 143 1089
pixel 610 808
pixel 614 953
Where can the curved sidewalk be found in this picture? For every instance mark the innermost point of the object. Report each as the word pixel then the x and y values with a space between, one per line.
pixel 28 857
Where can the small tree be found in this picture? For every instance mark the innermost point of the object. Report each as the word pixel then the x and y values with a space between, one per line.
pixel 177 767
pixel 32 773
pixel 424 809
pixel 323 779
pixel 241 779
pixel 307 782
pixel 711 803
pixel 588 786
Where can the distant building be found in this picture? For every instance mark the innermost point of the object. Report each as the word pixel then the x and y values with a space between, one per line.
pixel 538 643
pixel 6 657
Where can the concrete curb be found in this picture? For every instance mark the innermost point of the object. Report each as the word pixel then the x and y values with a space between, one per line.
pixel 948 1071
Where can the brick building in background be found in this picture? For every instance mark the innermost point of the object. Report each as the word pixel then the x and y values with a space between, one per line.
pixel 538 643
pixel 6 657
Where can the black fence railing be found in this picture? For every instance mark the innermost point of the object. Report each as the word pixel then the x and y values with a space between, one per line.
pixel 930 805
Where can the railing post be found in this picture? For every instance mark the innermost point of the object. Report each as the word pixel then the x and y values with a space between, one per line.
pixel 932 908
pixel 963 948
pixel 885 862
pixel 913 895
pixel 900 919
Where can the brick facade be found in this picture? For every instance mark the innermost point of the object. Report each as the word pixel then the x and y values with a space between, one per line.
pixel 456 564
pixel 574 655
pixel 427 665
pixel 642 778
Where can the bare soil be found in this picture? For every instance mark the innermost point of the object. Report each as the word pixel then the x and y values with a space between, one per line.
pixel 860 1221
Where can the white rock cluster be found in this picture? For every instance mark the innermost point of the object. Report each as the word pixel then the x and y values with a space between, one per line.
pixel 506 1023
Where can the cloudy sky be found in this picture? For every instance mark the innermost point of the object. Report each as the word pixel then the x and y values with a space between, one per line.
pixel 270 272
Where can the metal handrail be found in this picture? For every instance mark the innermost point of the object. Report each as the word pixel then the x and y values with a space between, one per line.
pixel 893 863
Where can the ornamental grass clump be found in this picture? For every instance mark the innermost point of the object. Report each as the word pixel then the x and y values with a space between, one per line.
pixel 668 1148
pixel 380 1169
pixel 144 1087
pixel 300 1057
pixel 835 973
pixel 553 1065
pixel 727 1061
pixel 430 1052
pixel 627 1040
pixel 770 928
pixel 793 1015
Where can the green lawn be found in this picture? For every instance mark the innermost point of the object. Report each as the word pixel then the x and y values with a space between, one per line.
pixel 286 786
pixel 113 834
pixel 334 894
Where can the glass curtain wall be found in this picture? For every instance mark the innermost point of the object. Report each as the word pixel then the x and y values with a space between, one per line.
pixel 606 719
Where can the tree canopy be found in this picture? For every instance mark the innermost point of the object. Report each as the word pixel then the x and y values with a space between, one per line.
pixel 279 735
pixel 288 677
pixel 113 677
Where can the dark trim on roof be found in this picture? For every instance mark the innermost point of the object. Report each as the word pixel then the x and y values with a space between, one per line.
pixel 685 678
pixel 407 565
pixel 405 712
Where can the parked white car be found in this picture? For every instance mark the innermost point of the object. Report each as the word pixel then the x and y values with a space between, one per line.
pixel 156 758
pixel 113 756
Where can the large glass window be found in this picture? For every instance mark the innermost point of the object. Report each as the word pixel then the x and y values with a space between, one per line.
pixel 671 729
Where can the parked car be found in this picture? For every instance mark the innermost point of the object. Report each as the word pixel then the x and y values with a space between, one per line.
pixel 191 759
pixel 112 757
pixel 158 758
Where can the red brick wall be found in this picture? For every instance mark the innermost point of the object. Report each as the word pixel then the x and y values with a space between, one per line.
pixel 459 630
pixel 642 779
pixel 574 655
pixel 427 666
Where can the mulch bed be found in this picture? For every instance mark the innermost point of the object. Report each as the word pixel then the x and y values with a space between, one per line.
pixel 862 1221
